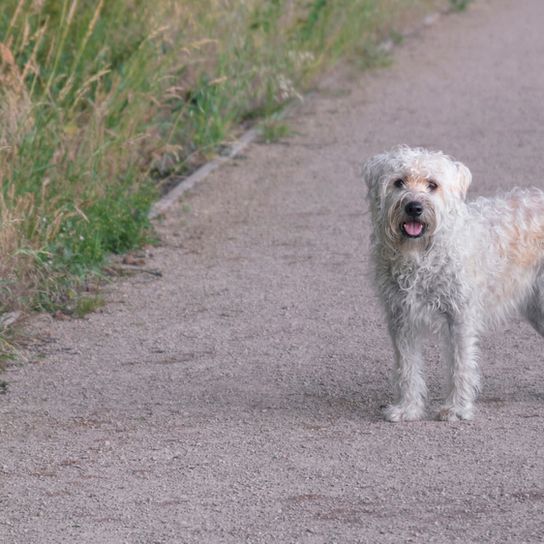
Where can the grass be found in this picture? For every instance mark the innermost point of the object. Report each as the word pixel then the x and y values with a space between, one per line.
pixel 273 130
pixel 87 304
pixel 459 5
pixel 100 102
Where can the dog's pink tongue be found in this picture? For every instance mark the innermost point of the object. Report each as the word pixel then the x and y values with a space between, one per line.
pixel 413 228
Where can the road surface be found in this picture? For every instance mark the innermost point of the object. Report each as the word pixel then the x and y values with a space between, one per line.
pixel 236 399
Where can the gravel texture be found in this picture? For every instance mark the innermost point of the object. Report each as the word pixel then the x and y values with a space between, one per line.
pixel 236 399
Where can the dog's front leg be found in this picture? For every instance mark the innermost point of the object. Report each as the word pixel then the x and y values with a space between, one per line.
pixel 411 390
pixel 460 353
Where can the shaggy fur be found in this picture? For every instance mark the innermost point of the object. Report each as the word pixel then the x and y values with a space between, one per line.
pixel 450 268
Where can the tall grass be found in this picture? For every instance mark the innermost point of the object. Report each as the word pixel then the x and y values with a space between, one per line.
pixel 101 100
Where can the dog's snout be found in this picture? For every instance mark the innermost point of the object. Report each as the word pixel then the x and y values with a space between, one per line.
pixel 414 208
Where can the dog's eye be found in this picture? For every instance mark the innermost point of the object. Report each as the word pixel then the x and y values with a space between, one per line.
pixel 398 183
pixel 432 185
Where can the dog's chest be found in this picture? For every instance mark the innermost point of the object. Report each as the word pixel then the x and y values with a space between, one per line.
pixel 425 287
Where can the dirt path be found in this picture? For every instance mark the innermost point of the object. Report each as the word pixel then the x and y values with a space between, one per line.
pixel 237 398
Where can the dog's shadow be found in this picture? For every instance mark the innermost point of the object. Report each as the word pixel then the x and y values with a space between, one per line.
pixel 313 401
pixel 345 391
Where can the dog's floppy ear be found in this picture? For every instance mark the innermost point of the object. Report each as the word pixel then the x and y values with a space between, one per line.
pixel 373 170
pixel 464 177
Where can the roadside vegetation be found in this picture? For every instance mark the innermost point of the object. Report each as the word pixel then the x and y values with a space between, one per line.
pixel 101 103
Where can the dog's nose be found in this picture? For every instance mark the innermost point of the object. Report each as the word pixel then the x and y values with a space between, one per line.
pixel 414 208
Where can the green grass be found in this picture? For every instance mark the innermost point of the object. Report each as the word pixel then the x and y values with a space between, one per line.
pixel 87 304
pixel 273 130
pixel 101 101
pixel 459 5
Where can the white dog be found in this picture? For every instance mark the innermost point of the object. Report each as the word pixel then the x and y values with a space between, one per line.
pixel 449 267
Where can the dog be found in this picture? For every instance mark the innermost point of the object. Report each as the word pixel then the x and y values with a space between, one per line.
pixel 450 268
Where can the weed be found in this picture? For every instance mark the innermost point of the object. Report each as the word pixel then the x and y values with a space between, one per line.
pixel 273 130
pixel 316 13
pixel 373 56
pixel 87 304
pixel 8 351
pixel 396 37
pixel 459 5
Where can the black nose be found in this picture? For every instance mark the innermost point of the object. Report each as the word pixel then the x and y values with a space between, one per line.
pixel 414 208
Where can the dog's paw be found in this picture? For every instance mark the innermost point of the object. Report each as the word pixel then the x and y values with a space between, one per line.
pixel 403 412
pixel 455 413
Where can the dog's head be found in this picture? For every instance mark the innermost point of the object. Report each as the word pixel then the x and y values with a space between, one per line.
pixel 412 191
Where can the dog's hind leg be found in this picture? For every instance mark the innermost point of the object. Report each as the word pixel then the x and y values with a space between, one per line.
pixel 534 309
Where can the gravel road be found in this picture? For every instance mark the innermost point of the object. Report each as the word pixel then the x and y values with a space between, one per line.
pixel 236 399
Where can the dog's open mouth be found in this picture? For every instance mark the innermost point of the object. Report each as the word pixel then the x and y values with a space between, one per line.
pixel 413 229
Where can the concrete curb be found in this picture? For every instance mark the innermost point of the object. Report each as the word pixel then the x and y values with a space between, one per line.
pixel 172 196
